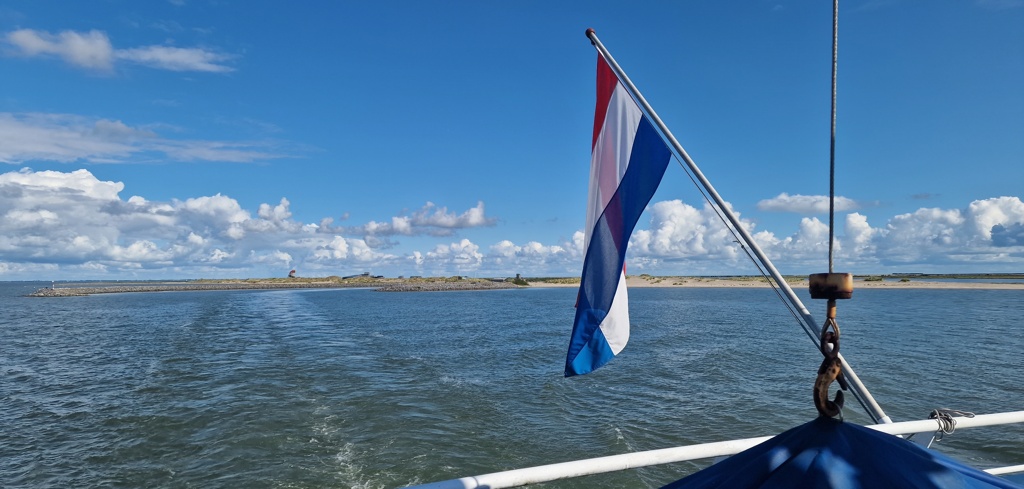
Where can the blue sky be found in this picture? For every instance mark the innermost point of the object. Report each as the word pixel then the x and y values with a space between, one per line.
pixel 195 138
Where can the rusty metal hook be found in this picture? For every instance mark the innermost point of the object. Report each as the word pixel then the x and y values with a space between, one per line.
pixel 831 370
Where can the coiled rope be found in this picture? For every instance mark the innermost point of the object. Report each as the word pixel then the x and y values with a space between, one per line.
pixel 947 424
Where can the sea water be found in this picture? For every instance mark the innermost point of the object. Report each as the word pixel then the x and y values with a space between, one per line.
pixel 364 389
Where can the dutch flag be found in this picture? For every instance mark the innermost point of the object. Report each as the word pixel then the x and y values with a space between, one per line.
pixel 628 160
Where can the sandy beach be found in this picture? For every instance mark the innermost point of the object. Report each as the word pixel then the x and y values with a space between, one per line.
pixel 679 281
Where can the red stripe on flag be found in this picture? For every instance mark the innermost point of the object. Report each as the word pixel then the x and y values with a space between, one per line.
pixel 606 82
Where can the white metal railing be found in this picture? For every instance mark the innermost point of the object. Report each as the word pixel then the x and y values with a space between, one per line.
pixel 613 463
pixel 1010 469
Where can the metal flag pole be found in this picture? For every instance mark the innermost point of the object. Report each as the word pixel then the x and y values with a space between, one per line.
pixel 809 325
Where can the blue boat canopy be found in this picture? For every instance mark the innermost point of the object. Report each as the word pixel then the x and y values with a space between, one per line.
pixel 830 454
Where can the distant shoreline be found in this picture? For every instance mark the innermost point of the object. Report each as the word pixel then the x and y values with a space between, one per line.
pixel 751 282
pixel 78 289
pixel 75 289
pixel 910 283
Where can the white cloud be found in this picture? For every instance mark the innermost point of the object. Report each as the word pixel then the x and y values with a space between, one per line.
pixel 49 184
pixel 859 234
pixel 577 242
pixel 272 258
pixel 68 138
pixel 139 251
pixel 336 249
pixel 362 252
pixel 505 249
pixel 60 137
pixel 218 207
pixel 74 225
pixel 909 237
pixel 90 50
pixel 983 215
pixel 808 245
pixel 117 130
pixel 217 256
pixel 439 217
pixel 679 231
pixel 533 258
pixel 428 220
pixel 806 204
pixel 462 256
pixel 988 234
pixel 950 236
pixel 928 239
pixel 80 224
pixel 278 213
pixel 93 50
pixel 176 59
pixel 192 150
pixel 21 218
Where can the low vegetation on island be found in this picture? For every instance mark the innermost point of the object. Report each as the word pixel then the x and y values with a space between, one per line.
pixel 458 282
pixel 379 283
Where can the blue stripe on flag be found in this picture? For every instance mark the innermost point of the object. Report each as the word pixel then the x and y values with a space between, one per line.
pixel 606 253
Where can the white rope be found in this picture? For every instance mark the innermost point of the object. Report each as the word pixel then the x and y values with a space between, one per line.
pixel 947 425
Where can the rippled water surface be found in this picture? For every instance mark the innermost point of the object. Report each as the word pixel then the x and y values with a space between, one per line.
pixel 355 388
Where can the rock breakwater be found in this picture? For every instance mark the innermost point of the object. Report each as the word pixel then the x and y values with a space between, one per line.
pixel 445 286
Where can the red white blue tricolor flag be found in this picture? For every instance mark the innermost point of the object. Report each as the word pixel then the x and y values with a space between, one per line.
pixel 628 160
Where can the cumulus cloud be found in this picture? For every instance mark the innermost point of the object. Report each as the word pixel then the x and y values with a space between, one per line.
pixel 806 204
pixel 75 225
pixel 464 254
pixel 984 215
pixel 680 231
pixel 93 51
pixel 52 183
pixel 859 234
pixel 681 239
pixel 429 220
pixel 535 258
pixel 973 235
pixel 455 258
pixel 984 234
pixel 68 138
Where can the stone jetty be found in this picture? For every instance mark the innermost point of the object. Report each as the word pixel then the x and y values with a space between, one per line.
pixel 445 286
